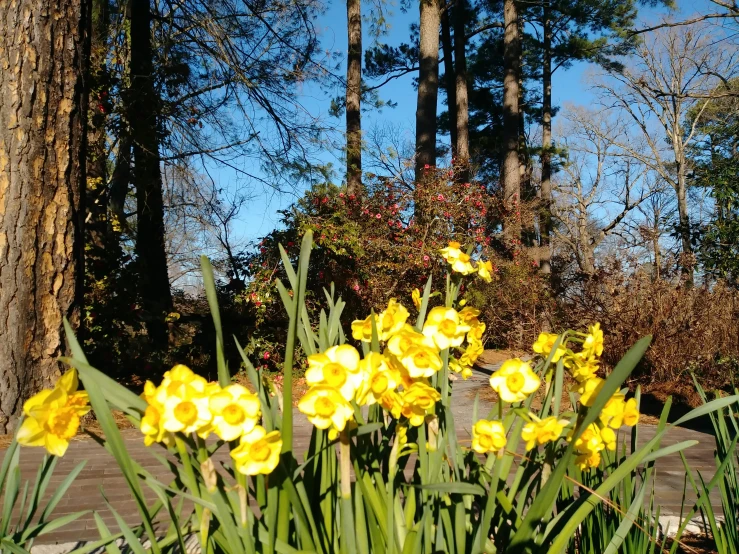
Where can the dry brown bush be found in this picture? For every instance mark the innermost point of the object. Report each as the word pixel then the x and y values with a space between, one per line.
pixel 694 329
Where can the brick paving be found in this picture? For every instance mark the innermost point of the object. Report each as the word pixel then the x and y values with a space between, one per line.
pixel 101 471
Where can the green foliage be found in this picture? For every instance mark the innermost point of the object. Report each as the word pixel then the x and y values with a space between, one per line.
pixel 370 249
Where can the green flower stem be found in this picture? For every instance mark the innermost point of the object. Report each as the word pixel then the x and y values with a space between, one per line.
pixel 348 537
pixel 192 483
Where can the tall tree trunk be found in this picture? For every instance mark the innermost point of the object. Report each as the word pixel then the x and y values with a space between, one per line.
pixel 96 192
pixel 545 214
pixel 353 98
pixel 511 167
pixel 428 87
pixel 462 96
pixel 684 219
pixel 42 143
pixel 144 104
pixel 449 78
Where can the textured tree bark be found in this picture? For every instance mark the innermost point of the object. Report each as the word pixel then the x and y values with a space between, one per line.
pixel 353 98
pixel 449 77
pixel 42 142
pixel 510 171
pixel 143 114
pixel 545 219
pixel 428 86
pixel 462 95
pixel 684 218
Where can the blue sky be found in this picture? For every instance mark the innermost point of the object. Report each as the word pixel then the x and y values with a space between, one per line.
pixel 568 87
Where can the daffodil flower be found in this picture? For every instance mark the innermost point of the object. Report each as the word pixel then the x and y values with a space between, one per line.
pixel 514 380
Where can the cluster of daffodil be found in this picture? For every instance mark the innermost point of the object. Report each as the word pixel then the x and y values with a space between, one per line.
pixel 396 378
pixel 186 403
pixel 461 262
pixel 52 417
pixel 516 380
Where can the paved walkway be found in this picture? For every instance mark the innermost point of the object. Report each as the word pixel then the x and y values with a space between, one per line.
pixel 101 470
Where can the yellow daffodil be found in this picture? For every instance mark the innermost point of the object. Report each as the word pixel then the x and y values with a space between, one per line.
pixel 445 327
pixel 377 378
pixel 418 399
pixel 182 382
pixel 608 437
pixel 151 422
pixel 421 361
pixel 488 436
pixel 392 319
pixel 545 343
pixel 484 270
pixel 392 403
pixel 463 264
pixel 623 412
pixel 475 333
pixel 416 297
pixel 451 252
pixel 581 366
pixel 593 343
pixel 186 415
pixel 631 413
pixel 589 390
pixel 462 302
pixel 587 460
pixel 473 351
pixel 258 452
pixel 468 315
pixel 362 328
pixel 613 411
pixel 325 406
pixel 590 440
pixel 53 416
pixel 542 431
pixel 401 341
pixel 337 368
pixel 514 380
pixel 235 411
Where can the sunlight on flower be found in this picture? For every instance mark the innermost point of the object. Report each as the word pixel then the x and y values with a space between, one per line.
pixel 324 406
pixel 514 380
pixel 52 417
pixel 337 368
pixel 488 436
pixel 258 452
pixel 544 345
pixel 542 431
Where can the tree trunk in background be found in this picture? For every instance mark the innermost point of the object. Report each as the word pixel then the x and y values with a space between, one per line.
pixel 143 113
pixel 684 218
pixel 462 95
pixel 428 87
pixel 545 214
pixel 449 78
pixel 42 145
pixel 97 186
pixel 353 98
pixel 511 167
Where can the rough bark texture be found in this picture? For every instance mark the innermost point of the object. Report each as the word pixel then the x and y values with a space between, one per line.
pixel 428 86
pixel 461 96
pixel 684 217
pixel 449 77
pixel 545 218
pixel 42 136
pixel 353 98
pixel 144 110
pixel 510 170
